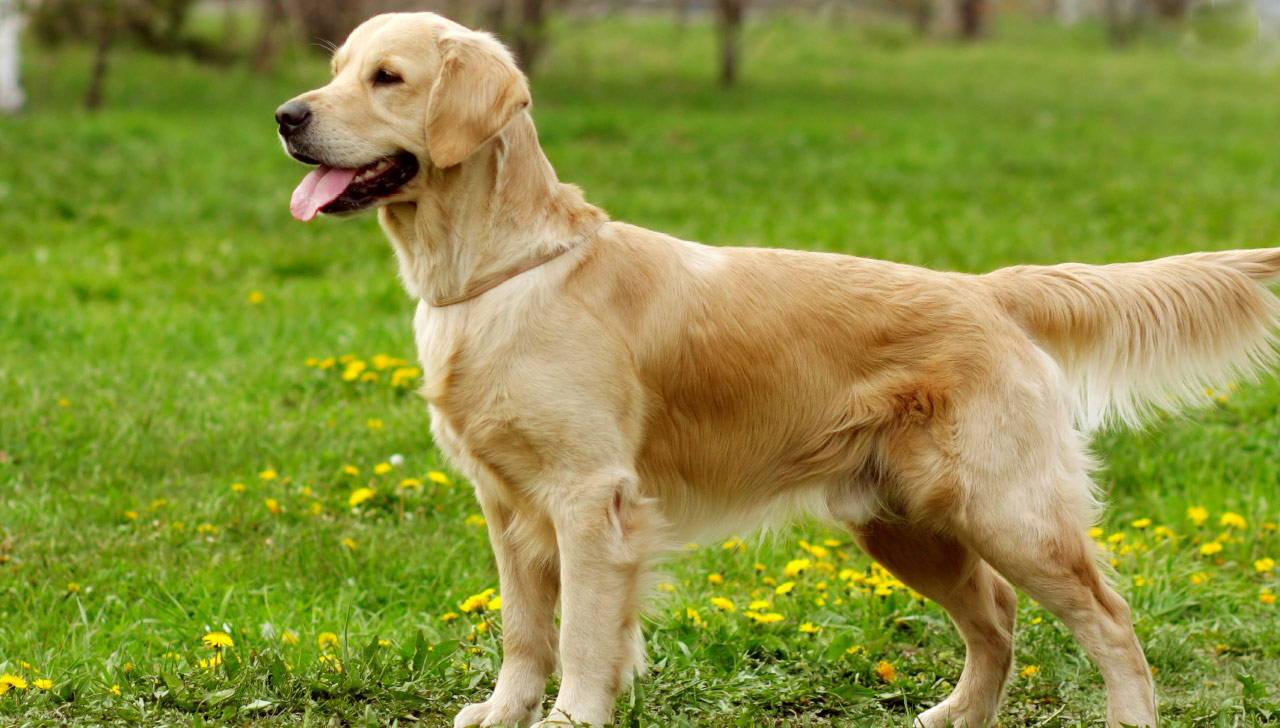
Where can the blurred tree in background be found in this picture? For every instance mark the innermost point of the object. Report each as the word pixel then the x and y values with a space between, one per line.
pixel 164 26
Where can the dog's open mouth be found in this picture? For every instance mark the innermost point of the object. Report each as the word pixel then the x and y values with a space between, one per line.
pixel 338 189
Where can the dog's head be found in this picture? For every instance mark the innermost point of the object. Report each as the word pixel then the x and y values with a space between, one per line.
pixel 409 91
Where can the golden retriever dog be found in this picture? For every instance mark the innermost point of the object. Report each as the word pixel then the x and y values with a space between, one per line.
pixel 611 391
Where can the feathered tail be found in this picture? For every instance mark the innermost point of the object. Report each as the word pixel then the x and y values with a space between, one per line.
pixel 1137 337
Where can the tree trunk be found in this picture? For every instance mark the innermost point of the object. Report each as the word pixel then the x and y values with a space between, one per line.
pixel 973 18
pixel 495 16
pixel 268 42
pixel 11 96
pixel 530 33
pixel 1123 19
pixel 108 20
pixel 730 39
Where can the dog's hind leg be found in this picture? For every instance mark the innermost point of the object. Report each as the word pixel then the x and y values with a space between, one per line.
pixel 1047 553
pixel 529 577
pixel 981 604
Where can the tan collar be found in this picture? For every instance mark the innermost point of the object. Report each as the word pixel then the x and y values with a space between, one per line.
pixel 507 275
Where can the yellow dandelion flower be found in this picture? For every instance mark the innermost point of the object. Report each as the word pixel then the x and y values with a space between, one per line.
pixel 256 297
pixel 327 639
pixel 1266 597
pixel 11 681
pixel 316 508
pixel 369 377
pixel 715 578
pixel 1115 538
pixel 759 604
pixel 74 588
pixel 435 476
pixel 360 495
pixel 217 640
pixel 1210 548
pixel 289 637
pixel 449 617
pixel 809 628
pixel 830 543
pixel 1264 565
pixel 237 487
pixel 817 552
pixel 767 618
pixel 475 520
pixel 795 567
pixel 64 402
pixel 1199 578
pixel 477 602
pixel 43 684
pixel 353 370
pixel 273 505
pixel 886 672
pixel 855 649
pixel 1029 670
pixel 404 376
pixel 1197 515
pixel 666 587
pixel 1165 532
pixel 382 468
pixel 723 604
pixel 1232 520
pixel 1096 533
pixel 327 363
pixel 349 543
pixel 1140 523
pixel 411 483
pixel 131 515
pixel 267 475
pixel 692 615
pixel 374 424
pixel 495 604
pixel 785 587
pixel 351 470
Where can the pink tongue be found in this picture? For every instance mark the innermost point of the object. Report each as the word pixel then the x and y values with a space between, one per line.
pixel 320 187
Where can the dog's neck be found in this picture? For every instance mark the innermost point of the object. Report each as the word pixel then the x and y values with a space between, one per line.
pixel 496 211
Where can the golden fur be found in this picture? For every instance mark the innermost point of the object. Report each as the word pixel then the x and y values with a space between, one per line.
pixel 640 391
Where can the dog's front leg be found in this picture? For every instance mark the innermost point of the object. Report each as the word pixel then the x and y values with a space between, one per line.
pixel 606 533
pixel 529 578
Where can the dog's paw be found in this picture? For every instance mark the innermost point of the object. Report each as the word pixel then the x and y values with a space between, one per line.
pixel 490 713
pixel 950 714
pixel 557 719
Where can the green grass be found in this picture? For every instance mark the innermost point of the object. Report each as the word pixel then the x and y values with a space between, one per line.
pixel 138 382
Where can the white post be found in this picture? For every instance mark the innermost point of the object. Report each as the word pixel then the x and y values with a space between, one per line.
pixel 11 98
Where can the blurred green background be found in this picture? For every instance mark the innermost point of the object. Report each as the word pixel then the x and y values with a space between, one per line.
pixel 176 453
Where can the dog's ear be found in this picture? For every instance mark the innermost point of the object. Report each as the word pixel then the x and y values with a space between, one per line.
pixel 477 92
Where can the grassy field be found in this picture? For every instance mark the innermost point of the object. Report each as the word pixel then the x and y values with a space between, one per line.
pixel 186 447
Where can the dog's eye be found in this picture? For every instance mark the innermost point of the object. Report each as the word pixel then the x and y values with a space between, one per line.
pixel 386 78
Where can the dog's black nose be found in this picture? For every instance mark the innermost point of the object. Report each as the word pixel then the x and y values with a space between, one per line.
pixel 292 116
